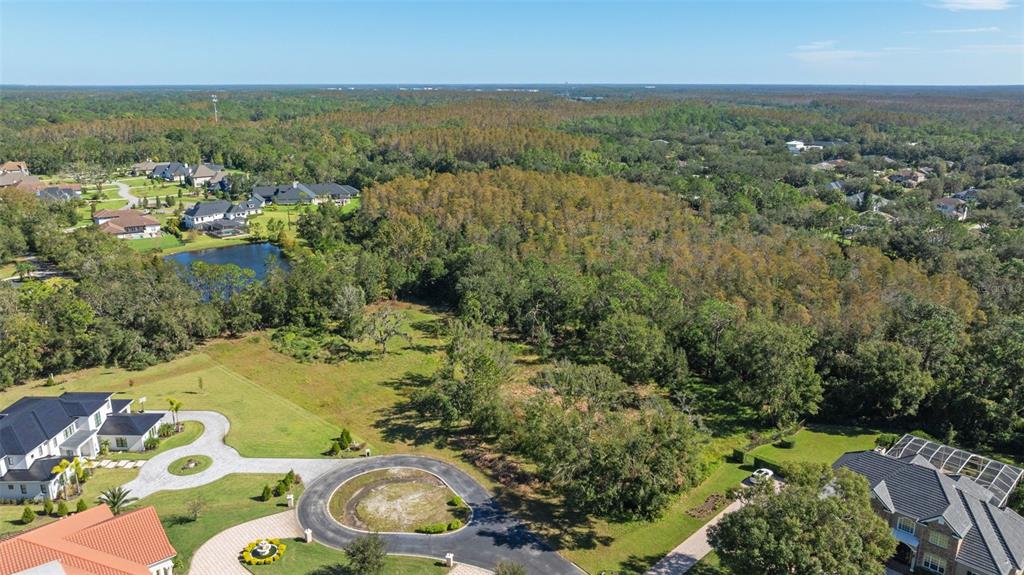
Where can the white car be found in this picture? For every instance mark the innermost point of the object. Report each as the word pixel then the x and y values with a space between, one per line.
pixel 762 475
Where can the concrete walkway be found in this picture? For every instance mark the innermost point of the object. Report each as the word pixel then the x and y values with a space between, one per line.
pixel 461 569
pixel 153 476
pixel 681 559
pixel 219 555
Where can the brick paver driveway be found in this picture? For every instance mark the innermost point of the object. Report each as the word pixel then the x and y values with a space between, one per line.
pixel 219 555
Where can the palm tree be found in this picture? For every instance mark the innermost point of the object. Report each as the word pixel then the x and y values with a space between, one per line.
pixel 175 407
pixel 23 269
pixel 61 470
pixel 116 499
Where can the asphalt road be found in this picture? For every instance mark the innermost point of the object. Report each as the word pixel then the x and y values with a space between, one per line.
pixel 492 535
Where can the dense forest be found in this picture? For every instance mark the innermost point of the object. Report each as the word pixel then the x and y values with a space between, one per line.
pixel 664 253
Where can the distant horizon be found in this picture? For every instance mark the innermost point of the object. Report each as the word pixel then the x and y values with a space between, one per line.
pixel 88 43
pixel 392 85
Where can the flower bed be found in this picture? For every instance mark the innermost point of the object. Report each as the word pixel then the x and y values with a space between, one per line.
pixel 251 554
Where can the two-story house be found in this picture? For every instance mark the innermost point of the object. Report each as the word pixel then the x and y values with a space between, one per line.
pixel 36 433
pixel 203 215
pixel 299 193
pixel 946 508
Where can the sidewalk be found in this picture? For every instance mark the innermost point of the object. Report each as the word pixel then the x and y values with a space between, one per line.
pixel 690 552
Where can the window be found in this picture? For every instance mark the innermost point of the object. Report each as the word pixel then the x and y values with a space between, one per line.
pixel 934 563
pixel 97 419
pixel 938 539
pixel 24 490
pixel 69 431
pixel 121 442
pixel 906 525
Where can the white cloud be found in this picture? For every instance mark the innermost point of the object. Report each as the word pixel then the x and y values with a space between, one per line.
pixel 986 30
pixel 825 51
pixel 988 5
pixel 985 49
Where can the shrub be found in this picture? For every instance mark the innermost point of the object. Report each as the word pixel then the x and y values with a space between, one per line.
pixel 345 439
pixel 760 462
pixel 335 449
pixel 265 496
pixel 289 478
pixel 456 501
pixel 786 443
pixel 509 568
pixel 454 524
pixel 81 505
pixel 741 456
pixel 166 430
pixel 62 509
pixel 27 516
pixel 48 507
pixel 280 489
pixel 151 443
pixel 433 528
pixel 886 440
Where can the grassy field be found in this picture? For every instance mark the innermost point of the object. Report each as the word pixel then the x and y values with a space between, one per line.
pixel 227 502
pixel 102 479
pixel 192 430
pixel 316 559
pixel 820 444
pixel 164 242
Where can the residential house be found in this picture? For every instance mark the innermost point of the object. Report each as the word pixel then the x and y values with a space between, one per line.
pixel 60 193
pixel 795 146
pixel 952 208
pixel 946 507
pixel 220 182
pixel 144 168
pixel 968 195
pixel 14 167
pixel 126 224
pixel 202 214
pixel 36 433
pixel 196 175
pixel 92 542
pixel 20 180
pixel 908 178
pixel 299 193
pixel 856 202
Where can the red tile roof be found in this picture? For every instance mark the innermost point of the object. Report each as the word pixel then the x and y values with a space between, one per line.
pixel 93 542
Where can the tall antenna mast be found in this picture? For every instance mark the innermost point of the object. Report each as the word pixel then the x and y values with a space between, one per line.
pixel 216 116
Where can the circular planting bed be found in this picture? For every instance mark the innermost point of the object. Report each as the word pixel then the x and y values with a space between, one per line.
pixel 190 465
pixel 398 500
pixel 263 552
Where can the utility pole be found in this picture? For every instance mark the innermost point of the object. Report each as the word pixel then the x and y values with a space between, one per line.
pixel 216 116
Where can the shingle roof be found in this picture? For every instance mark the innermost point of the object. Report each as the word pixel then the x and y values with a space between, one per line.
pixel 211 208
pixel 993 537
pixel 135 424
pixel 93 542
pixel 40 470
pixel 119 404
pixel 30 421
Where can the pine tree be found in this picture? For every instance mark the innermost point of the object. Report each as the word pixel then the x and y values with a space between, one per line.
pixel 27 516
pixel 81 506
pixel 265 496
pixel 48 507
pixel 62 509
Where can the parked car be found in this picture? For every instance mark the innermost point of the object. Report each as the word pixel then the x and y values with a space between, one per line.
pixel 762 475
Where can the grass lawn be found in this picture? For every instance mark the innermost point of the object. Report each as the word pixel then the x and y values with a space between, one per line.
pixel 190 465
pixel 7 270
pixel 203 242
pixel 192 430
pixel 316 559
pixel 227 502
pixel 820 444
pixel 102 479
pixel 164 242
pixel 286 430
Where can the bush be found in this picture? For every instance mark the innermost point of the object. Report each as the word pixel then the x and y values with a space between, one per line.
pixel 760 462
pixel 151 443
pixel 433 528
pixel 741 457
pixel 81 505
pixel 786 443
pixel 62 509
pixel 280 489
pixel 166 430
pixel 456 502
pixel 454 524
pixel 265 496
pixel 345 439
pixel 886 440
pixel 335 448
pixel 48 507
pixel 27 516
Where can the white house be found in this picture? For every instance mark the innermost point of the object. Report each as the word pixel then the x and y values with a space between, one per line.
pixel 202 214
pixel 37 433
pixel 126 224
pixel 795 146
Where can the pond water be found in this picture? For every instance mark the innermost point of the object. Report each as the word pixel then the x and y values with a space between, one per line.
pixel 252 256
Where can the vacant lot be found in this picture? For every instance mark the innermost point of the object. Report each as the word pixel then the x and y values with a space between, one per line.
pixel 394 500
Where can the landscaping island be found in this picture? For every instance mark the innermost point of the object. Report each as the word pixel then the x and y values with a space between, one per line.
pixel 398 500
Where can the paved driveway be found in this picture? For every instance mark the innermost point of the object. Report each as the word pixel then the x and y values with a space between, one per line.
pixel 125 193
pixel 491 536
pixel 153 476
pixel 681 559
pixel 219 555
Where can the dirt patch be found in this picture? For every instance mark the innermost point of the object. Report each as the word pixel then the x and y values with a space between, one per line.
pixel 395 500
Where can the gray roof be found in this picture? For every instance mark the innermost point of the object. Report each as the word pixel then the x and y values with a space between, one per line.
pixel 212 208
pixel 297 192
pixel 135 424
pixel 333 190
pixel 119 404
pixel 40 470
pixel 30 421
pixel 58 193
pixel 993 537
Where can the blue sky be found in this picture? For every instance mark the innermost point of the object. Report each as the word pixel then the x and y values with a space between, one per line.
pixel 484 41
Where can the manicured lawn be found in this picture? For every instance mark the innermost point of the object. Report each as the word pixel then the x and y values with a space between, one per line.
pixel 192 430
pixel 315 559
pixel 102 479
pixel 820 444
pixel 257 430
pixel 190 465
pixel 227 502
pixel 203 242
pixel 166 241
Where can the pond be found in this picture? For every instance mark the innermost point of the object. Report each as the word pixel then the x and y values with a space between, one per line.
pixel 252 256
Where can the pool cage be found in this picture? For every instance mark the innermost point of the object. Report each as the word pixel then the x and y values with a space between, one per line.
pixel 997 477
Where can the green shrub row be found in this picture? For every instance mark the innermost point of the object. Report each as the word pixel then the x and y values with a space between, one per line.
pixel 248 558
pixel 437 528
